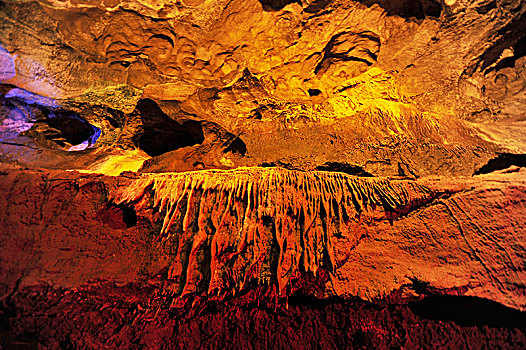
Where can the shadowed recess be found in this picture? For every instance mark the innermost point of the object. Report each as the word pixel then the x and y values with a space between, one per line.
pixel 519 51
pixel 161 134
pixel 418 9
pixel 276 5
pixel 72 129
pixel 468 311
pixel 350 169
pixel 317 6
pixel 501 162
pixel 236 146
pixel 118 216
pixel 314 92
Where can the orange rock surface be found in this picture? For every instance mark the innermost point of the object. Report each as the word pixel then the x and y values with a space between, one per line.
pixel 215 231
pixel 189 174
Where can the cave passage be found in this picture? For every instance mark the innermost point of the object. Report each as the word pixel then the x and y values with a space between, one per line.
pixel 73 129
pixel 118 216
pixel 161 134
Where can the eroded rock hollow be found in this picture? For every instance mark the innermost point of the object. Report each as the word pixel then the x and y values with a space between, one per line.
pixel 263 174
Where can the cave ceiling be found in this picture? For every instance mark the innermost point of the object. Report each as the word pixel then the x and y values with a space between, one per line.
pixel 415 88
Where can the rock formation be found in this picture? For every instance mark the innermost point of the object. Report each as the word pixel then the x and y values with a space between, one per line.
pixel 210 173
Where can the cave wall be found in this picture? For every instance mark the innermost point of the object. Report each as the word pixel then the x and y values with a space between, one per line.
pixel 211 173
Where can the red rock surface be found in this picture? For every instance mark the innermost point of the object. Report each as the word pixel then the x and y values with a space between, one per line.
pixel 147 260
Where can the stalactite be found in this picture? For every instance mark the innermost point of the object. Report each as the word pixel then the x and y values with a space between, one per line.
pixel 227 227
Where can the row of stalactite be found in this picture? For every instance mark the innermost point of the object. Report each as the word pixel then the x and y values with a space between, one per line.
pixel 224 228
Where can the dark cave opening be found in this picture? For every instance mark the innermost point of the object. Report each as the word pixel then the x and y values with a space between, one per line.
pixel 236 146
pixel 512 36
pixel 129 216
pixel 118 216
pixel 317 6
pixel 519 51
pixel 161 134
pixel 314 92
pixel 468 311
pixel 276 5
pixel 42 119
pixel 501 162
pixel 73 129
pixel 347 168
pixel 419 9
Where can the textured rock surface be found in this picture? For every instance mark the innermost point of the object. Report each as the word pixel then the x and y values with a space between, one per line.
pixel 209 205
pixel 395 87
pixel 138 316
pixel 186 237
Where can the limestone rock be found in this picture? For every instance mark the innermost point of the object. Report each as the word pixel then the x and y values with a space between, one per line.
pixel 174 170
